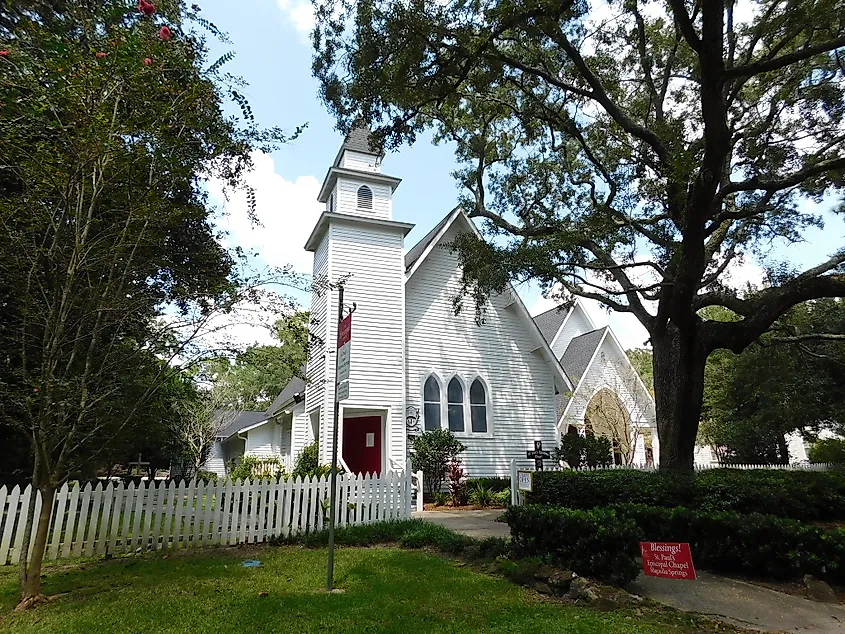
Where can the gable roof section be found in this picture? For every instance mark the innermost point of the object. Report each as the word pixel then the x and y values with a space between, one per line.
pixel 580 351
pixel 295 386
pixel 427 244
pixel 417 252
pixel 243 420
pixel 550 321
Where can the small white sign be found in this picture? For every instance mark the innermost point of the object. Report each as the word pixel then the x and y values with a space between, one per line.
pixel 343 391
pixel 343 354
pixel 371 440
pixel 525 480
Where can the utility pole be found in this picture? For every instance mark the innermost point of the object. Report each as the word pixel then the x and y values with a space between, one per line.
pixel 333 477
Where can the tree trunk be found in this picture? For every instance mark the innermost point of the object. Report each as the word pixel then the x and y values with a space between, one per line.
pixel 783 449
pixel 31 579
pixel 679 360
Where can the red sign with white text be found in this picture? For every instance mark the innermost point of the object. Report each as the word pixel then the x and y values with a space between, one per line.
pixel 344 331
pixel 667 559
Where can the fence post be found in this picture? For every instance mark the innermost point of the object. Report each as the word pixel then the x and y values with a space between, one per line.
pixel 514 490
pixel 420 491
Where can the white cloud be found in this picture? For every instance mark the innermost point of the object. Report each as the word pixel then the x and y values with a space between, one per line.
pixel 287 212
pixel 299 13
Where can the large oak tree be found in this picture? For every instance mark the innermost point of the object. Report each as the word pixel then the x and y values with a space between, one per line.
pixel 628 152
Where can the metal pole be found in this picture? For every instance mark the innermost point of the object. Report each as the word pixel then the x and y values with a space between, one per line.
pixel 333 477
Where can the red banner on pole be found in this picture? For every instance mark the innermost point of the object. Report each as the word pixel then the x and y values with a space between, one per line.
pixel 344 331
pixel 667 559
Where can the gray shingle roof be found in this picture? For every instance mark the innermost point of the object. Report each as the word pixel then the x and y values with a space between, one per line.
pixel 295 385
pixel 358 140
pixel 241 421
pixel 578 353
pixel 550 321
pixel 419 248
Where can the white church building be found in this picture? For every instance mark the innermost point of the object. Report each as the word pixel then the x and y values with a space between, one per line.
pixel 416 365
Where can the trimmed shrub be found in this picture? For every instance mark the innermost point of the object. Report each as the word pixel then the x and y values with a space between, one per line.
pixel 598 544
pixel 752 544
pixel 591 489
pixel 800 495
pixel 494 483
pixel 307 460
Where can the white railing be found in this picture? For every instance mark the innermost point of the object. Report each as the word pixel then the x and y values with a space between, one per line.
pixel 518 498
pixel 112 518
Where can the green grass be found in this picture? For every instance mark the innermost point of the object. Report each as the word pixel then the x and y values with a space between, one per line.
pixel 385 590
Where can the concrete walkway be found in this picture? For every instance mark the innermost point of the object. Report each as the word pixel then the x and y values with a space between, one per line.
pixel 744 604
pixel 477 524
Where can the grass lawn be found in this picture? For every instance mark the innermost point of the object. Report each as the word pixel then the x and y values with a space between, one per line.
pixel 386 590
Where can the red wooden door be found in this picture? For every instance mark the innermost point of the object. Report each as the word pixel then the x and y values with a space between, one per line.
pixel 362 444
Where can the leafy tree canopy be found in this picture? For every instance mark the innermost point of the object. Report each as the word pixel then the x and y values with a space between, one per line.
pixel 112 115
pixel 791 380
pixel 627 151
pixel 254 378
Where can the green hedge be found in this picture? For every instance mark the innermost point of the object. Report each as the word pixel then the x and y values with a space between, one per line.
pixel 749 544
pixel 800 495
pixel 598 544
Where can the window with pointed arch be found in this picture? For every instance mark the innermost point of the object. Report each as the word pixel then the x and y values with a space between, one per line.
pixel 432 416
pixel 478 407
pixel 365 197
pixel 455 401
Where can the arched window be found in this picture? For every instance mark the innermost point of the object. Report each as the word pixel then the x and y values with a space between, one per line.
pixel 431 404
pixel 478 407
pixel 455 396
pixel 365 197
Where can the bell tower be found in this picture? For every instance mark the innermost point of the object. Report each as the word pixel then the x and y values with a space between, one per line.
pixel 357 242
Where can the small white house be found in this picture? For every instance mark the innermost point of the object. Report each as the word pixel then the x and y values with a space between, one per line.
pixel 415 364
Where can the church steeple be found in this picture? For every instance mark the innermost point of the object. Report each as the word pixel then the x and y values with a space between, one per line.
pixel 356 240
pixel 354 185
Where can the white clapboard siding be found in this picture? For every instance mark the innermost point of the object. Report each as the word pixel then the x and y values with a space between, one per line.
pixel 110 518
pixel 521 393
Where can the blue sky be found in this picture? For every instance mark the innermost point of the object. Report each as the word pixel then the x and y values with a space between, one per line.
pixel 273 54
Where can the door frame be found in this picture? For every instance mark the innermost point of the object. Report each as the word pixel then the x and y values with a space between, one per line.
pixel 355 411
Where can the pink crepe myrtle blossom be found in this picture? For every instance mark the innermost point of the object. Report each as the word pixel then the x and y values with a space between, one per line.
pixel 165 34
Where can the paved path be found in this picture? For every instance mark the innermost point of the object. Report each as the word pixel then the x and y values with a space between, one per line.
pixel 478 524
pixel 742 603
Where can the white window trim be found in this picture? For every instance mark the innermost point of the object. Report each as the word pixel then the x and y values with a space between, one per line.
pixel 488 403
pixel 358 198
pixel 466 384
pixel 441 385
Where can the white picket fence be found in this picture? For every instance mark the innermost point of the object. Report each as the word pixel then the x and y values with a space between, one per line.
pixel 112 518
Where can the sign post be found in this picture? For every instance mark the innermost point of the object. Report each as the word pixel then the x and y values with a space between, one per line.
pixel 538 455
pixel 669 560
pixel 341 392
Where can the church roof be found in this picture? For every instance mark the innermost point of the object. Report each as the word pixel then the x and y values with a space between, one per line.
pixel 242 420
pixel 359 139
pixel 550 321
pixel 419 248
pixel 294 386
pixel 579 352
